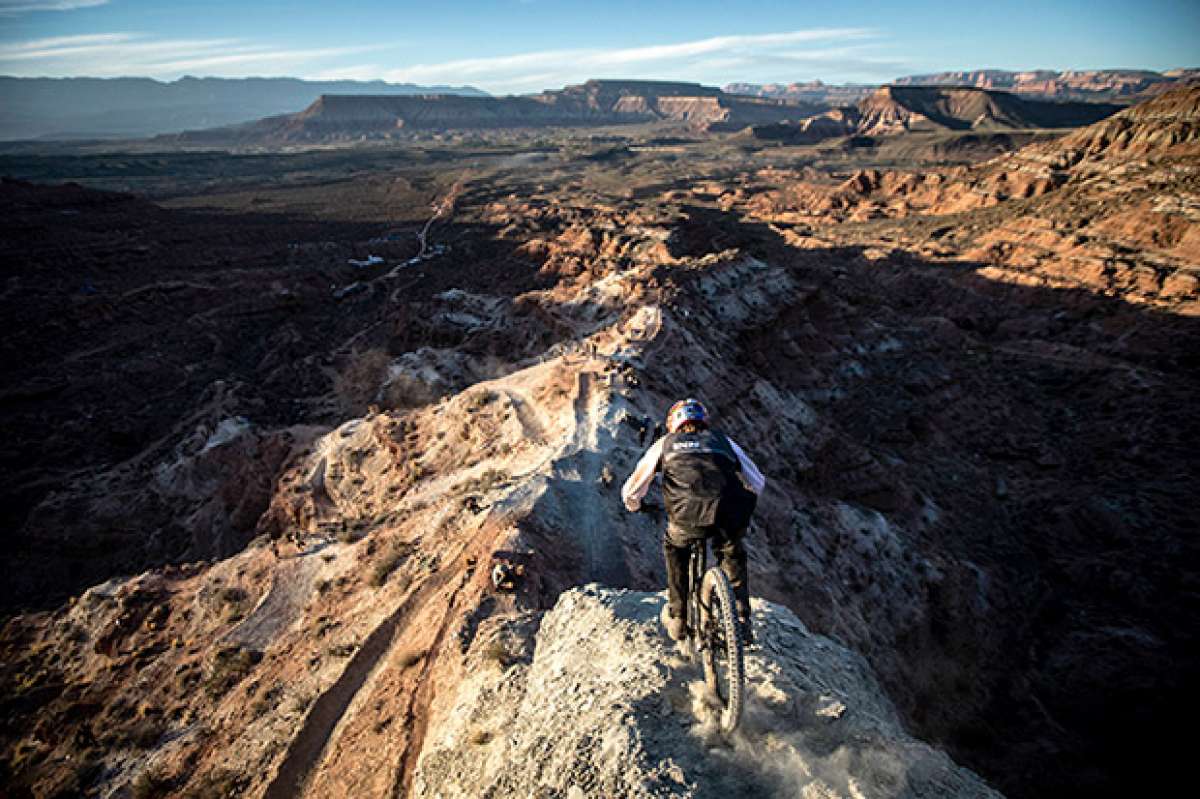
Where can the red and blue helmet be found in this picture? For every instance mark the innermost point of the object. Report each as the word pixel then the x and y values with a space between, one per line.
pixel 686 410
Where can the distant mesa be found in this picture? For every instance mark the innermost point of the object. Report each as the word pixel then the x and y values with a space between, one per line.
pixel 892 110
pixel 810 92
pixel 594 103
pixel 288 110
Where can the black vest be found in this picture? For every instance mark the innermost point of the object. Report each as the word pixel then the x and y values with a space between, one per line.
pixel 701 482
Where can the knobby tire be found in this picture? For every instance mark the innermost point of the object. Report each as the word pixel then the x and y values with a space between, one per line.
pixel 719 626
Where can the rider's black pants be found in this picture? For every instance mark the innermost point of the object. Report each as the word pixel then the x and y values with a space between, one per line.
pixel 730 554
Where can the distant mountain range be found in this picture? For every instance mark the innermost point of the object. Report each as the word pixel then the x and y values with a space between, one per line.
pixel 64 108
pixel 1090 85
pixel 289 109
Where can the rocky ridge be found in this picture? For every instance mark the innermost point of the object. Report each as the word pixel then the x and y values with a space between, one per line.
pixel 598 703
pixel 1108 206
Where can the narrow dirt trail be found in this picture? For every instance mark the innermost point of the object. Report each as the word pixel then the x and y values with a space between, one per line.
pixel 579 474
pixel 308 750
pixel 433 610
pixel 416 715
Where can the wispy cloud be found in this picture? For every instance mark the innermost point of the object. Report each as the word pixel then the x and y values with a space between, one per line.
pixel 112 54
pixel 9 7
pixel 841 53
pixel 791 55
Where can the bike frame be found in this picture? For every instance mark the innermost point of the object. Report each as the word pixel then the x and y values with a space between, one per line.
pixel 697 563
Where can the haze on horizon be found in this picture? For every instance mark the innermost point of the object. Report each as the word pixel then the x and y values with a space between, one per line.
pixel 520 46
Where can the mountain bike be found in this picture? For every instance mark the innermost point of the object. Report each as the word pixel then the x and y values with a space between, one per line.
pixel 715 633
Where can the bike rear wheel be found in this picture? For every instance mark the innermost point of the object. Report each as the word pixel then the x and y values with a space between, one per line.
pixel 721 646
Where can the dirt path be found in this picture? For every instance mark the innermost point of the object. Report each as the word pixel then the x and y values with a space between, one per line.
pixel 578 474
pixel 307 750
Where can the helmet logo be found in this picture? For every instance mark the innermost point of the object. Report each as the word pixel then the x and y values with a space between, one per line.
pixel 687 410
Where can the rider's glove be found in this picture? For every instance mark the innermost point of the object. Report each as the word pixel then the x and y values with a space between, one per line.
pixel 633 505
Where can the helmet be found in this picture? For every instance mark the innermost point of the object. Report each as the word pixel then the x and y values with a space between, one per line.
pixel 686 410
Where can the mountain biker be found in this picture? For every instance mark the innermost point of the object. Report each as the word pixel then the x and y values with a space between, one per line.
pixel 710 488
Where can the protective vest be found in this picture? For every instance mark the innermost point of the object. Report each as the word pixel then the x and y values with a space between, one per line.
pixel 701 482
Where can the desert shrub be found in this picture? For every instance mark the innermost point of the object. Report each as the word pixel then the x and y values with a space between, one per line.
pixel 479 399
pixel 484 482
pixel 358 383
pixel 150 785
pixel 145 733
pixel 230 665
pixel 79 779
pixel 342 650
pixel 396 554
pixel 267 701
pixel 350 535
pixel 302 702
pixel 480 737
pixel 497 652
pixel 220 784
pixel 236 601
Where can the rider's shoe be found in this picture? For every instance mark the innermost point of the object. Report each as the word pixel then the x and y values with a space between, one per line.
pixel 676 625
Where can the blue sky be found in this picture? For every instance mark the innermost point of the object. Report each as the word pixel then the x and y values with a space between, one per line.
pixel 521 46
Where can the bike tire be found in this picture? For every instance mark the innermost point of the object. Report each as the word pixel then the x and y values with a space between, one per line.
pixel 720 626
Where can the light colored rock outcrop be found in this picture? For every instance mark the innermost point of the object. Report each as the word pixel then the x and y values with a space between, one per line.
pixel 600 703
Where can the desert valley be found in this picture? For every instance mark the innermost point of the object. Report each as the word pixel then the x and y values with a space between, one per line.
pixel 279 393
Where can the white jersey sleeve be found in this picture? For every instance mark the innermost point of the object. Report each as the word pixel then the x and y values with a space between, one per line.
pixel 639 482
pixel 754 478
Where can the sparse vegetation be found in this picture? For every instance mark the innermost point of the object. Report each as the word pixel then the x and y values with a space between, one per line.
pixel 230 665
pixel 498 652
pixel 236 601
pixel 484 482
pixel 357 384
pixel 396 554
pixel 220 784
pixel 480 737
pixel 342 650
pixel 267 700
pixel 145 733
pixel 351 534
pixel 302 702
pixel 150 785
pixel 481 399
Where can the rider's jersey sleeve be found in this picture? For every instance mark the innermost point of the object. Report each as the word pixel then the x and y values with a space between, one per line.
pixel 639 482
pixel 754 478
